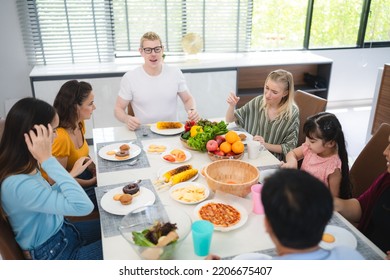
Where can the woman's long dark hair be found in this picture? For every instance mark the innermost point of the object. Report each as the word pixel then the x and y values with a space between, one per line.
pixel 327 127
pixel 15 158
pixel 71 94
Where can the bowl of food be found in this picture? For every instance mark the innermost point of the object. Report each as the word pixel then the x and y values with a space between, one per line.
pixel 231 176
pixel 155 232
pixel 215 157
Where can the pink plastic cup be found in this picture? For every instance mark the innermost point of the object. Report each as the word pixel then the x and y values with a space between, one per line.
pixel 256 199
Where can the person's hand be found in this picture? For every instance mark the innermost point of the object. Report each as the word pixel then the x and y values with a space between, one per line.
pixel 132 123
pixel 387 255
pixel 92 168
pixel 193 115
pixel 259 139
pixel 39 141
pixel 232 99
pixel 80 165
pixel 212 257
pixel 290 165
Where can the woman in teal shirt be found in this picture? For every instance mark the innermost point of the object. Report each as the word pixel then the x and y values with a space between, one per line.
pixel 34 208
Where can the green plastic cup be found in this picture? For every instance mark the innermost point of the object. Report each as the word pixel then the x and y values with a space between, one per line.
pixel 202 233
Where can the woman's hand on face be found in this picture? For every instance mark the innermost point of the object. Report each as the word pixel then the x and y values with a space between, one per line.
pixel 39 141
pixel 232 99
pixel 80 165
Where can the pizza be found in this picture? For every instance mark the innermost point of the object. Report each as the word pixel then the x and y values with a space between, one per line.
pixel 221 215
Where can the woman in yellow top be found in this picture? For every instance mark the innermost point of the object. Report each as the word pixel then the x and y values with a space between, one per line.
pixel 74 104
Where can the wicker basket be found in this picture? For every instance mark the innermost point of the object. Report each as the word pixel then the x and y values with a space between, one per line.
pixel 215 157
pixel 232 176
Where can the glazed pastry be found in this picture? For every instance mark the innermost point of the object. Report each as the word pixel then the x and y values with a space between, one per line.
pixel 126 199
pixel 124 147
pixel 132 189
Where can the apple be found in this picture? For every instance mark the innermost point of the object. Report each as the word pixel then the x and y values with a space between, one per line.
pixel 219 153
pixel 212 145
pixel 219 139
pixel 230 154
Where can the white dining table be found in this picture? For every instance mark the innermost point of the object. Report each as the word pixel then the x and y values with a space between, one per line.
pixel 249 237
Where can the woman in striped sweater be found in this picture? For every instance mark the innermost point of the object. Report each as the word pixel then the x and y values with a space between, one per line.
pixel 273 117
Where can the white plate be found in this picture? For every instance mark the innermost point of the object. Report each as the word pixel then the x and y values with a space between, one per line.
pixel 146 148
pixel 145 197
pixel 239 208
pixel 187 153
pixel 164 169
pixel 173 131
pixel 342 238
pixel 252 256
pixel 186 185
pixel 134 151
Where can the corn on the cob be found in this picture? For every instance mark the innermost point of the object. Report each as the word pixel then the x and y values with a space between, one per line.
pixel 180 177
pixel 168 125
pixel 167 175
pixel 183 176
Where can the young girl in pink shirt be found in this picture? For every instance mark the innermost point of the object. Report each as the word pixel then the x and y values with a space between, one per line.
pixel 324 153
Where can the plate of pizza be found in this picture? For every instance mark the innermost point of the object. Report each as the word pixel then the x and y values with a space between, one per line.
pixel 224 216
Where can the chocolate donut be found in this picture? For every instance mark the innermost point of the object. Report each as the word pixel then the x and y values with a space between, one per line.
pixel 132 189
pixel 122 153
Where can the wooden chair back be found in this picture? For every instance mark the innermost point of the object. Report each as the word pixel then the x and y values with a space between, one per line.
pixel 308 105
pixel 370 163
pixel 9 248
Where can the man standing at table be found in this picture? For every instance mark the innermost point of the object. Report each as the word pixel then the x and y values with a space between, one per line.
pixel 152 88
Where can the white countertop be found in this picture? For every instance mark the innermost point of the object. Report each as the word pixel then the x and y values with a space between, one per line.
pixel 199 62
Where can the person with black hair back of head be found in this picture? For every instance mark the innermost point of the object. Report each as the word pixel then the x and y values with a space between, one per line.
pixel 297 208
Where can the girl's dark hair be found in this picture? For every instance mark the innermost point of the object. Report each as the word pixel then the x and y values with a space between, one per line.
pixel 71 94
pixel 327 127
pixel 15 158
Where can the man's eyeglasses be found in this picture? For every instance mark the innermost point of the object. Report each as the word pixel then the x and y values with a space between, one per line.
pixel 155 49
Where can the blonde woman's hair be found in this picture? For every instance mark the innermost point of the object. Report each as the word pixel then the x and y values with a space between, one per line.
pixel 149 36
pixel 286 104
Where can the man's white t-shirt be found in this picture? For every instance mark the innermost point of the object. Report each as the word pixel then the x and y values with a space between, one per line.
pixel 153 98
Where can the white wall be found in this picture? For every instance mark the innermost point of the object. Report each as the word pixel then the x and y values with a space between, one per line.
pixel 354 71
pixel 14 68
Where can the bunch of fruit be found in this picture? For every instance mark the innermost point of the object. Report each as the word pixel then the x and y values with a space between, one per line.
pixel 228 145
pixel 197 134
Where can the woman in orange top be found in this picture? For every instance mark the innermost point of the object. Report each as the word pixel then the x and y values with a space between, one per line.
pixel 74 104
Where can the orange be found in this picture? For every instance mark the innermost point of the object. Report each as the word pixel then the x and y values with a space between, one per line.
pixel 231 137
pixel 225 147
pixel 238 147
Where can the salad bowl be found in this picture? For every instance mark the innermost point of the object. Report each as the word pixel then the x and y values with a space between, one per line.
pixel 146 225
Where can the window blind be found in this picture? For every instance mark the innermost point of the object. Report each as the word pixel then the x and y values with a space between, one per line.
pixel 77 31
pixel 67 31
pixel 224 25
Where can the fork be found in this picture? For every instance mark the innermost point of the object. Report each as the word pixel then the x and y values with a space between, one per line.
pixel 131 163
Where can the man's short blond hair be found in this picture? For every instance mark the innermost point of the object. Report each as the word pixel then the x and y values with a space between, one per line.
pixel 149 36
